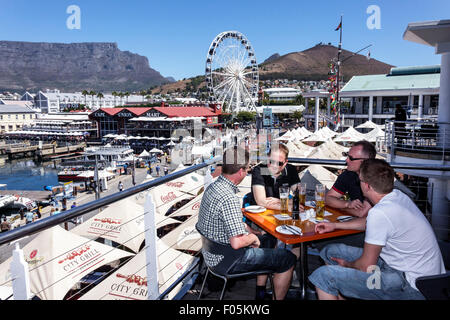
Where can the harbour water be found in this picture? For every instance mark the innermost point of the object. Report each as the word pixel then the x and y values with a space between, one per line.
pixel 28 175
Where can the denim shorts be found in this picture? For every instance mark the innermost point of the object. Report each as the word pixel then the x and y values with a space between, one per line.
pixel 275 260
pixel 383 283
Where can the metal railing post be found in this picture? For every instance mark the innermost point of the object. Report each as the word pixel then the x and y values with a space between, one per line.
pixel 208 178
pixel 21 275
pixel 151 256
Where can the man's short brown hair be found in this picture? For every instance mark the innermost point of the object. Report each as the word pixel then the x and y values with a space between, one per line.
pixel 378 174
pixel 368 148
pixel 234 159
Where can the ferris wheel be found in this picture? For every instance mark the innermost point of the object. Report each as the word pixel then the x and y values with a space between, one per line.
pixel 232 72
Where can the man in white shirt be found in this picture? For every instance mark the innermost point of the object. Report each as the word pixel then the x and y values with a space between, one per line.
pixel 399 246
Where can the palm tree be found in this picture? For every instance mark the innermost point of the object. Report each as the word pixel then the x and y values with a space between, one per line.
pixel 143 93
pixel 92 94
pixel 100 96
pixel 127 94
pixel 121 95
pixel 85 93
pixel 114 94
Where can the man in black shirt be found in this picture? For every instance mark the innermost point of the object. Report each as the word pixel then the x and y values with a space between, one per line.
pixel 268 178
pixel 348 184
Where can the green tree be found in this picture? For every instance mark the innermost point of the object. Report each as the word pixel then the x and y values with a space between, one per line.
pixel 297 115
pixel 299 100
pixel 245 116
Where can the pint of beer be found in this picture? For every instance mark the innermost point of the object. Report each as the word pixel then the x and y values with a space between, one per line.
pixel 320 201
pixel 302 194
pixel 284 198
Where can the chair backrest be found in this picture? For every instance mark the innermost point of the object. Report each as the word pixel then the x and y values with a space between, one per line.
pixel 229 254
pixel 445 251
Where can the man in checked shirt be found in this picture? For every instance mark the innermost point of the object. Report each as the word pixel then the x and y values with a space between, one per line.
pixel 220 219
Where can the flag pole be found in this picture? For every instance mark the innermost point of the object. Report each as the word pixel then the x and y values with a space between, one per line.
pixel 338 98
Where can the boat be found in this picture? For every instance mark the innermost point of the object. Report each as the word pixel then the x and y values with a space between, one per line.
pixel 19 202
pixel 71 174
pixel 6 201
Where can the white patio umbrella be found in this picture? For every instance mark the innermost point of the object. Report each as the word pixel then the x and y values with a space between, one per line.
pixel 58 259
pixel 299 150
pixel 328 150
pixel 130 281
pixel 372 135
pixel 323 175
pixel 164 197
pixel 317 136
pixel 144 154
pixel 349 135
pixel 155 150
pixel 122 222
pixel 189 209
pixel 185 236
pixel 368 124
pixel 287 136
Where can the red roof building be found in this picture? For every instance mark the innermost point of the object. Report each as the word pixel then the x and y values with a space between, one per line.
pixel 116 120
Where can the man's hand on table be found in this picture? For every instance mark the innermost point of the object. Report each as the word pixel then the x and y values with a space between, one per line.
pixel 324 227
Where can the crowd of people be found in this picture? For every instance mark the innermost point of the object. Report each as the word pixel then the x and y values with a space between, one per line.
pixel 389 222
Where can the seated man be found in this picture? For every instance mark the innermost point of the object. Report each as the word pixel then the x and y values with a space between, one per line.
pixel 400 245
pixel 348 182
pixel 220 219
pixel 268 178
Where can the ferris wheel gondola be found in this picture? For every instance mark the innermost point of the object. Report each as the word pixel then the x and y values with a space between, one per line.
pixel 231 72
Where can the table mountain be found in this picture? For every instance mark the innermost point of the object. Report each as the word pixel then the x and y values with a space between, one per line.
pixel 98 66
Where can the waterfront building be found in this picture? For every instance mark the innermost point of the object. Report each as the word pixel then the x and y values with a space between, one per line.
pixel 282 94
pixel 374 97
pixel 151 121
pixel 61 126
pixel 54 101
pixel 14 117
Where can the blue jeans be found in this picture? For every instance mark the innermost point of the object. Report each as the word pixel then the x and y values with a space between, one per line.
pixel 385 283
pixel 254 259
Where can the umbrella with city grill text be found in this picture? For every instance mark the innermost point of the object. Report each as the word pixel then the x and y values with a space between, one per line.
pixel 58 259
pixel 130 281
pixel 121 222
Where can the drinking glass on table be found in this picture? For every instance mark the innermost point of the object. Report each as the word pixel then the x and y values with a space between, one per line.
pixel 284 198
pixel 302 193
pixel 320 201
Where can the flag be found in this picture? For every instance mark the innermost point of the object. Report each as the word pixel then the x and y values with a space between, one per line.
pixel 339 26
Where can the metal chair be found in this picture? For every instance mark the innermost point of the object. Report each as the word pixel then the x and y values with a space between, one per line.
pixel 222 269
pixel 437 287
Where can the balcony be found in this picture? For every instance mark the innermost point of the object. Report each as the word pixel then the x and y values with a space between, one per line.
pixel 425 140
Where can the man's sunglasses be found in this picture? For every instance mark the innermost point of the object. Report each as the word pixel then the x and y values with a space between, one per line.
pixel 276 163
pixel 345 154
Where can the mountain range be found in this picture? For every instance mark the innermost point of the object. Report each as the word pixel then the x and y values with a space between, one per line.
pixel 98 66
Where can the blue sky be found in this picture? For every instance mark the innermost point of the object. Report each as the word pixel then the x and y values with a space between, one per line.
pixel 175 34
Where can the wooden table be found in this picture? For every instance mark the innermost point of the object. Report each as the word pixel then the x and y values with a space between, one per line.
pixel 268 222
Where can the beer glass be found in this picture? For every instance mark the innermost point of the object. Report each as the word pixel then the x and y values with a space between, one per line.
pixel 284 198
pixel 302 193
pixel 320 201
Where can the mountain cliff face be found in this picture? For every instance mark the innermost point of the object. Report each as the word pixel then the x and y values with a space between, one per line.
pixel 73 67
pixel 312 64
